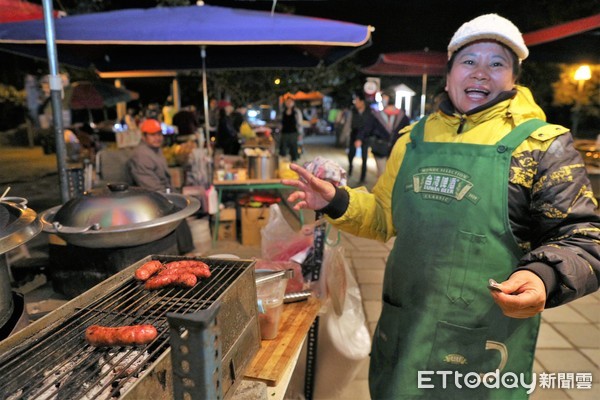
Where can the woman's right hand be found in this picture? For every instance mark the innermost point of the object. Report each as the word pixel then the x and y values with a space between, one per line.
pixel 313 193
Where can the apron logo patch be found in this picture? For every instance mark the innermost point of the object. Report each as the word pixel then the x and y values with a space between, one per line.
pixel 456 359
pixel 443 184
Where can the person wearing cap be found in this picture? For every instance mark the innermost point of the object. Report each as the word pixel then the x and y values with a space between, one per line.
pixel 149 170
pixel 148 166
pixel 481 189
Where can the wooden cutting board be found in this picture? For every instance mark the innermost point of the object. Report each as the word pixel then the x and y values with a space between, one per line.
pixel 275 356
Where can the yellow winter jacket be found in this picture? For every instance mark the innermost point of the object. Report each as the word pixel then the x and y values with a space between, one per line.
pixel 369 214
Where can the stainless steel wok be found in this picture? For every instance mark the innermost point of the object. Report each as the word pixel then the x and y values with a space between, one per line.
pixel 118 216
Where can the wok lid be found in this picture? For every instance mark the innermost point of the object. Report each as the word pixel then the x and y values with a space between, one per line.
pixel 118 216
pixel 114 205
pixel 18 224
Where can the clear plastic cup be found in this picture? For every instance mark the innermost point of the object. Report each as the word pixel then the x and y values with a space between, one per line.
pixel 270 293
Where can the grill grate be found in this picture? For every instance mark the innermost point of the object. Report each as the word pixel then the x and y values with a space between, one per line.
pixel 59 364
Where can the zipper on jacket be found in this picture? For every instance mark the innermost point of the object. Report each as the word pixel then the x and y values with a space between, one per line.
pixel 461 124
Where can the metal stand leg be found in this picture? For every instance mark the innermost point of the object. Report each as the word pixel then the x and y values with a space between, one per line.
pixel 314 263
pixel 311 359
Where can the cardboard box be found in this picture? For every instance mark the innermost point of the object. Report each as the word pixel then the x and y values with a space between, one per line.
pixel 253 220
pixel 227 224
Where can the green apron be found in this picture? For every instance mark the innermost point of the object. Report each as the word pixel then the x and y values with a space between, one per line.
pixel 450 208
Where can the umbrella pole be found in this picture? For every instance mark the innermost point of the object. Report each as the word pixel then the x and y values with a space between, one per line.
pixel 206 116
pixel 205 99
pixel 423 94
pixel 56 88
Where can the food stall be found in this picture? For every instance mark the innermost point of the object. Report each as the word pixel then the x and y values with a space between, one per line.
pixel 57 356
pixel 33 361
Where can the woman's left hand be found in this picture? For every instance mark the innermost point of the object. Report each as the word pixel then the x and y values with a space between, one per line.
pixel 523 295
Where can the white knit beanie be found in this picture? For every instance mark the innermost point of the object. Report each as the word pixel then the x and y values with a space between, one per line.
pixel 489 26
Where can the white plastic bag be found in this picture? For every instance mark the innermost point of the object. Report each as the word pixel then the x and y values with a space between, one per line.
pixel 349 331
pixel 343 346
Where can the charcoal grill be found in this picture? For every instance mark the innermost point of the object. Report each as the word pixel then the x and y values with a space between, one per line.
pixel 50 359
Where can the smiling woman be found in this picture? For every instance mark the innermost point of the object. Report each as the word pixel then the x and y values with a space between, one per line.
pixel 481 189
pixel 479 72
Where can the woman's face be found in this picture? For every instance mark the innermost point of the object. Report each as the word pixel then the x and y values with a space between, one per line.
pixel 480 72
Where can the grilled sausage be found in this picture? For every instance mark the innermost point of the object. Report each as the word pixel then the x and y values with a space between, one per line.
pixel 101 336
pixel 198 268
pixel 149 268
pixel 180 279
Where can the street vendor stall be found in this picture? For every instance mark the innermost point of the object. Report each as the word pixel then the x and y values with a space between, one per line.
pixel 179 38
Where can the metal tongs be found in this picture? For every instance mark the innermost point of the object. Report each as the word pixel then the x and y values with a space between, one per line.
pixel 262 277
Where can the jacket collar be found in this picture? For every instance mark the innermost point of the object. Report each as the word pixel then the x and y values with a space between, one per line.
pixel 517 105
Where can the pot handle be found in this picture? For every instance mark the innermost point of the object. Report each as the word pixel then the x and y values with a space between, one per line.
pixel 59 228
pixel 118 187
pixel 51 226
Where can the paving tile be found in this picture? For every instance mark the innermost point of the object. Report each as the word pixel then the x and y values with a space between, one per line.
pixel 549 338
pixel 372 327
pixel 562 314
pixel 590 298
pixel 372 310
pixel 371 291
pixel 555 361
pixel 363 372
pixel 357 390
pixel 537 368
pixel 579 394
pixel 369 276
pixel 581 335
pixel 549 394
pixel 365 254
pixel 593 355
pixel 364 243
pixel 591 311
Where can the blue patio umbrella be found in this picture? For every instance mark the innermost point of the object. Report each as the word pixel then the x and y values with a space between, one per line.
pixel 168 38
pixel 188 38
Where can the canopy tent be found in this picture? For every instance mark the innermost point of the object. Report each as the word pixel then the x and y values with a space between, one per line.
pixel 187 38
pixel 410 63
pixel 18 10
pixel 573 42
pixel 86 95
pixel 303 96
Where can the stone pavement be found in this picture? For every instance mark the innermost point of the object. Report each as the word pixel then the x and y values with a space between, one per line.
pixel 569 340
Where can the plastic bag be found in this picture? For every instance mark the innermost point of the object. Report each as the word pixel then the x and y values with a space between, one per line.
pixel 333 278
pixel 350 329
pixel 279 241
pixel 343 347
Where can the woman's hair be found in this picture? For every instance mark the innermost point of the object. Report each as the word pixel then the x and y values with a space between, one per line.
pixel 516 65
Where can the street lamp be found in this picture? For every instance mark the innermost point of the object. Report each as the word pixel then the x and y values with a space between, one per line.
pixel 583 73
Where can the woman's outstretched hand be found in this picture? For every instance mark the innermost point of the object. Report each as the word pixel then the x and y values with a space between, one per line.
pixel 313 193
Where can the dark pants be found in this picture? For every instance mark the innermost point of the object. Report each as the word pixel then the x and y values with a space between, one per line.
pixel 289 141
pixel 364 149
